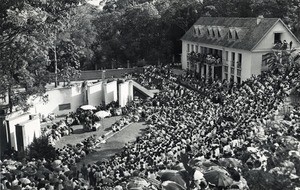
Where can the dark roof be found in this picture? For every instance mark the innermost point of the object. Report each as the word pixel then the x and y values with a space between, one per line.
pixel 250 33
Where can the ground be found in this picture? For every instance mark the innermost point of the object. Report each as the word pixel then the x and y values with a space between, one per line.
pixel 116 143
pixel 79 135
pixel 113 145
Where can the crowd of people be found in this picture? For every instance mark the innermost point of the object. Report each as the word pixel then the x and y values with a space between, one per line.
pixel 199 130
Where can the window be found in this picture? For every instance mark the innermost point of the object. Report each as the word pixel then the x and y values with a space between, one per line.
pixel 188 47
pixel 208 33
pixel 226 69
pixel 233 56
pixel 192 47
pixel 239 65
pixel 199 31
pixel 236 35
pixel 238 80
pixel 277 38
pixel 64 107
pixel 213 33
pixel 239 72
pixel 226 76
pixel 232 71
pixel 195 31
pixel 219 34
pixel 229 35
pixel 196 48
pixel 226 55
pixel 3 99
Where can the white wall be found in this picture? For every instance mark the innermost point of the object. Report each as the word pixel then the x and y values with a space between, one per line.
pixel 184 54
pixel 95 94
pixel 256 66
pixel 125 93
pixel 268 42
pixel 31 129
pixel 70 95
pixel 12 122
pixel 110 92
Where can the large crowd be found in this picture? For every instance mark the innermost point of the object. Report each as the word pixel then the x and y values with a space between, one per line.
pixel 199 130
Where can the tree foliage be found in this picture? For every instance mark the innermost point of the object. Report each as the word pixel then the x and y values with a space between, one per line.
pixel 40 148
pixel 30 31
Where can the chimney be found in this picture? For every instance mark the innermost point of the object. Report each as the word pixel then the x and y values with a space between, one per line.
pixel 259 18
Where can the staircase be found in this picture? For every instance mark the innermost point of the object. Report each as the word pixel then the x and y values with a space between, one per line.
pixel 142 89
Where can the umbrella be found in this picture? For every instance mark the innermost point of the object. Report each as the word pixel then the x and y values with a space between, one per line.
pixel 39 175
pixel 11 167
pixel 290 141
pixel 102 114
pixel 230 162
pixel 54 180
pixel 154 182
pixel 218 178
pixel 24 180
pixel 88 107
pixel 137 182
pixel 68 173
pixel 170 185
pixel 8 162
pixel 44 170
pixel 175 177
pixel 17 172
pixel 218 168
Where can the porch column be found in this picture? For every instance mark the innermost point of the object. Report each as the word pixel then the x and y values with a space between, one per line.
pixel 207 71
pixel 213 72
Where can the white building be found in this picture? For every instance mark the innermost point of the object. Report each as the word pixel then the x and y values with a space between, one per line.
pixel 237 45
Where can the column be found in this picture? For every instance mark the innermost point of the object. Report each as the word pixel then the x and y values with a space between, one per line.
pixel 213 72
pixel 235 67
pixel 207 71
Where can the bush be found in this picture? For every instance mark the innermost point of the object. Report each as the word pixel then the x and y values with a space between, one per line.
pixel 40 148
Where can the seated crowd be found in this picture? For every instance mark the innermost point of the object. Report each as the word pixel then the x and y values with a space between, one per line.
pixel 196 128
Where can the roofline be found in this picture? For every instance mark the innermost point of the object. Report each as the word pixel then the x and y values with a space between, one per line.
pixel 289 31
pixel 279 20
pixel 265 35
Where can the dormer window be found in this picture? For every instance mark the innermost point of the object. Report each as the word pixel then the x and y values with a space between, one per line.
pixel 208 33
pixel 230 35
pixel 213 33
pixel 219 34
pixel 236 35
pixel 199 31
pixel 195 31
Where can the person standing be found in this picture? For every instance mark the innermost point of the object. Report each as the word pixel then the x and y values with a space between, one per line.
pixel 84 171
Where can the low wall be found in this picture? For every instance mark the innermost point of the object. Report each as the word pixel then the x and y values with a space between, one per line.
pixel 110 92
pixel 125 93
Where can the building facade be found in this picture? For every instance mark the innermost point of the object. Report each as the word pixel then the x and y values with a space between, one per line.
pixel 233 49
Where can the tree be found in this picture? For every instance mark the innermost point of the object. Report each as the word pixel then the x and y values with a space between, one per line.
pixel 40 148
pixel 26 37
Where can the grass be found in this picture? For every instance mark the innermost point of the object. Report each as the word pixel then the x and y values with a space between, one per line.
pixel 79 135
pixel 112 146
pixel 115 143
